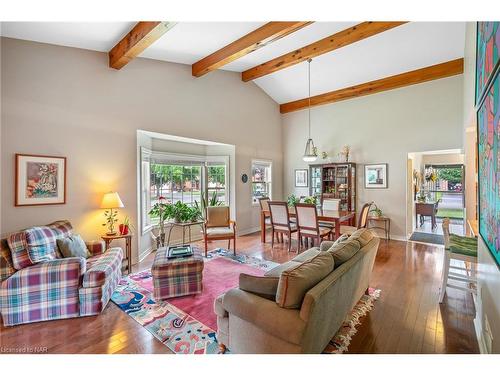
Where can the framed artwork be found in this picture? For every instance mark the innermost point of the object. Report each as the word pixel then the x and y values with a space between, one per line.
pixel 40 180
pixel 487 54
pixel 488 143
pixel 301 178
pixel 376 176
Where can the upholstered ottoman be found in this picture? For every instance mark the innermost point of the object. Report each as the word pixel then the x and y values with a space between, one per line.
pixel 176 277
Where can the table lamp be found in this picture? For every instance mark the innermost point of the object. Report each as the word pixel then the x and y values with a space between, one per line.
pixel 110 201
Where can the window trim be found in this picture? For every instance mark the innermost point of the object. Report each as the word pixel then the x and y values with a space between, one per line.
pixel 270 165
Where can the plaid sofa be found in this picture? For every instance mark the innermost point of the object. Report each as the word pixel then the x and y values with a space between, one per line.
pixel 56 287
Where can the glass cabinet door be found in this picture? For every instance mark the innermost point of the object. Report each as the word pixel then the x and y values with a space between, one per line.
pixel 316 181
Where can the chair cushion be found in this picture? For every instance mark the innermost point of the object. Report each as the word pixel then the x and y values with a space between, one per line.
pixel 363 235
pixel 344 250
pixel 295 282
pixel 463 245
pixel 322 231
pixel 263 286
pixel 220 231
pixel 73 246
pixel 101 267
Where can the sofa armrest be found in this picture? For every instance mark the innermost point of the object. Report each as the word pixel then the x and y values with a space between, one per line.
pixel 96 247
pixel 265 314
pixel 219 309
pixel 325 245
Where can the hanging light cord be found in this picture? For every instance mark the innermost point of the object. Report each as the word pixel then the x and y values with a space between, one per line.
pixel 309 97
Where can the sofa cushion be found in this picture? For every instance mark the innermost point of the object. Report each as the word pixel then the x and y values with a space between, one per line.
pixel 306 255
pixel 276 271
pixel 263 286
pixel 295 282
pixel 73 246
pixel 101 267
pixel 344 250
pixel 20 242
pixel 6 267
pixel 363 235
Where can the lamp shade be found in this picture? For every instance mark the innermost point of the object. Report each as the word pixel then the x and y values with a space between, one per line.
pixel 111 200
pixel 310 152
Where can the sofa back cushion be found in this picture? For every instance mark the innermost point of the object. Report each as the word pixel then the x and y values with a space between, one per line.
pixel 363 236
pixel 263 286
pixel 296 281
pixel 344 250
pixel 39 242
pixel 6 266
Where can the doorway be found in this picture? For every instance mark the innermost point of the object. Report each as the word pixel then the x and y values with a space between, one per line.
pixel 436 191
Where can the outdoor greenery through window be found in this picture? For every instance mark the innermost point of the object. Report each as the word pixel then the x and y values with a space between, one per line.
pixel 261 180
pixel 179 180
pixel 444 183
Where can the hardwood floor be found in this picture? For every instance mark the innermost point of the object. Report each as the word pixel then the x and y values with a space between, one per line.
pixel 406 319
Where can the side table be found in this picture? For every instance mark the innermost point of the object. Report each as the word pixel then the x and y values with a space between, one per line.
pixel 128 246
pixel 386 225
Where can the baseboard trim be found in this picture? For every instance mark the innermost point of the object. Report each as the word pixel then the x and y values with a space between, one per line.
pixel 248 231
pixel 145 254
pixel 479 337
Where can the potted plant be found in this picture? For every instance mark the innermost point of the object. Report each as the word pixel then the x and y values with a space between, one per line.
pixel 310 200
pixel 161 209
pixel 377 212
pixel 201 207
pixel 292 199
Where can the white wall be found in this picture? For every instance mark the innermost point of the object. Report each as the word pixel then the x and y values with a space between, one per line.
pixel 66 101
pixel 488 301
pixel 381 128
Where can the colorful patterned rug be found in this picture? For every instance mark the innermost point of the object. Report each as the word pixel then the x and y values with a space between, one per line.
pixel 187 325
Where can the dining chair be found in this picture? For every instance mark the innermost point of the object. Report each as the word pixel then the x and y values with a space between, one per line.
pixel 264 206
pixel 458 248
pixel 308 225
pixel 329 204
pixel 219 226
pixel 362 220
pixel 280 222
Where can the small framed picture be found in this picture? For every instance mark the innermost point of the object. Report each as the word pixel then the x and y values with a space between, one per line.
pixel 376 176
pixel 301 178
pixel 40 180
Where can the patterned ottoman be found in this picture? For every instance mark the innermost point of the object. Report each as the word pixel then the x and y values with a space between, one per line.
pixel 176 277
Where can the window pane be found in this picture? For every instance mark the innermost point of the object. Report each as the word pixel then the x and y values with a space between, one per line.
pixel 261 181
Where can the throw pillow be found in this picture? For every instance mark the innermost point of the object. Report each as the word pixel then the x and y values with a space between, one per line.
pixel 363 235
pixel 73 246
pixel 263 286
pixel 41 253
pixel 343 251
pixel 296 281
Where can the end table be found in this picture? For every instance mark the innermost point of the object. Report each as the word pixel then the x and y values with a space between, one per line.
pixel 128 246
pixel 385 221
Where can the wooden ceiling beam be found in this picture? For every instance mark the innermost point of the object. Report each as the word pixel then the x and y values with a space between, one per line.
pixel 258 38
pixel 413 77
pixel 341 39
pixel 136 41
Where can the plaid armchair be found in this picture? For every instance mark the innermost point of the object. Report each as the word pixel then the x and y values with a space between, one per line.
pixel 57 288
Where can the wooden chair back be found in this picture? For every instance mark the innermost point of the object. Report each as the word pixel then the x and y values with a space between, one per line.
pixel 264 204
pixel 363 216
pixel 280 218
pixel 330 204
pixel 307 216
pixel 218 216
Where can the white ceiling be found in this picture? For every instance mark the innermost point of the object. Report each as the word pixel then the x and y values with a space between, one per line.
pixel 404 48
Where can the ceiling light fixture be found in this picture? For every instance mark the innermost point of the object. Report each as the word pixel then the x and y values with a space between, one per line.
pixel 310 154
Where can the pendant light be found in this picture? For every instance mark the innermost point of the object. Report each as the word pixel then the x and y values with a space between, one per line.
pixel 310 154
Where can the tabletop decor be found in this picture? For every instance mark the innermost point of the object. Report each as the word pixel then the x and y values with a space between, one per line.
pixel 40 180
pixel 301 178
pixel 111 201
pixel 376 176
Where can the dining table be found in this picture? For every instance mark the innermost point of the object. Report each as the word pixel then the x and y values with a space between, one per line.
pixel 336 217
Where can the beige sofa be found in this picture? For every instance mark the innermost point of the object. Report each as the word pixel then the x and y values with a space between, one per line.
pixel 249 323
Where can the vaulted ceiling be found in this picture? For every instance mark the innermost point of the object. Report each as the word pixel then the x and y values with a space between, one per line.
pixel 398 49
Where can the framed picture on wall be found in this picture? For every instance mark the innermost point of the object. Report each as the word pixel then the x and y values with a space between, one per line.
pixel 301 178
pixel 40 180
pixel 376 176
